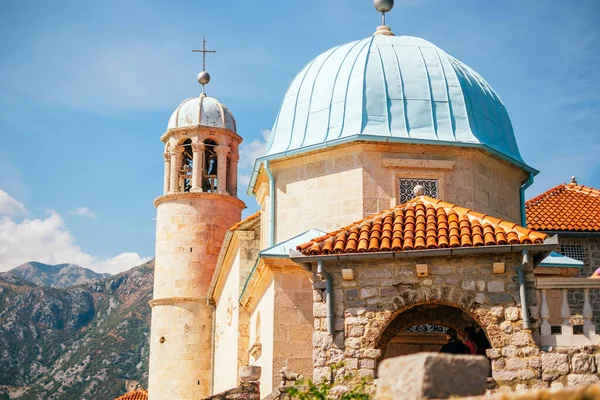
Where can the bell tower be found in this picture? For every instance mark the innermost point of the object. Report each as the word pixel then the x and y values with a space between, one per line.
pixel 199 203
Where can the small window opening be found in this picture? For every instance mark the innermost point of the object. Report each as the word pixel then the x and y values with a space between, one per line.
pixel 407 187
pixel 187 166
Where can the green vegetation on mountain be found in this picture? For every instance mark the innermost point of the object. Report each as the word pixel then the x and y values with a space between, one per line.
pixel 81 342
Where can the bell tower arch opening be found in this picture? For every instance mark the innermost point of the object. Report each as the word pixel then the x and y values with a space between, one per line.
pixel 186 167
pixel 209 173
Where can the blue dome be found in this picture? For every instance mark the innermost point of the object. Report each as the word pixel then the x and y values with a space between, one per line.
pixel 391 88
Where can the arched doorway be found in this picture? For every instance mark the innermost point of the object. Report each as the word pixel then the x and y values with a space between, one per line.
pixel 423 327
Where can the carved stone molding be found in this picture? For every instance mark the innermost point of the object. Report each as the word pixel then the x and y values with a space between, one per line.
pixel 198 147
pixel 169 301
pixel 191 130
pixel 443 165
pixel 173 197
pixel 222 150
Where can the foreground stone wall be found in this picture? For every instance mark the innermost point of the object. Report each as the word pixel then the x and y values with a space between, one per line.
pixel 441 376
pixel 384 289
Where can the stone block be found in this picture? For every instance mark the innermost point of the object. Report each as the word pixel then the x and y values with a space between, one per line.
pixel 368 292
pixel 520 338
pixel 356 331
pixel 371 353
pixel 480 298
pixel 495 286
pixel 322 340
pixel 518 375
pixel 468 285
pixel 367 363
pixel 514 364
pixel 431 376
pixel 356 321
pixel 501 298
pixel 511 314
pixel 351 363
pixel 554 365
pixel 250 373
pixel 583 363
pixel 582 379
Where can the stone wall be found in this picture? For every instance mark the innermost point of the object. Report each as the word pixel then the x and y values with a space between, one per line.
pixel 384 289
pixel 292 330
pixel 591 261
pixel 360 179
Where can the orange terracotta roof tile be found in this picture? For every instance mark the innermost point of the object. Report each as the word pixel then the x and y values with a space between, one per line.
pixel 244 221
pixel 138 394
pixel 566 207
pixel 422 223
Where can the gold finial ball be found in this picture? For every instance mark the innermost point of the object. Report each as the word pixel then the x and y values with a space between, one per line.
pixel 203 78
pixel 383 6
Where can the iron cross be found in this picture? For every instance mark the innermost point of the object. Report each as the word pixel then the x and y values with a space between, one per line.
pixel 204 51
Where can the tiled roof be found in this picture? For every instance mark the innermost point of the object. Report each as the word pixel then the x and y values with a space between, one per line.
pixel 422 223
pixel 566 207
pixel 138 394
pixel 246 220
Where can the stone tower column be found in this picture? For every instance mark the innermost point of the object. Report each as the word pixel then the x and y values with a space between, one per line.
pixel 190 229
pixel 189 233
pixel 222 152
pixel 167 157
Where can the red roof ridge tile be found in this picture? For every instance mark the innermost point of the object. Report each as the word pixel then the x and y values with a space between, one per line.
pixel 546 194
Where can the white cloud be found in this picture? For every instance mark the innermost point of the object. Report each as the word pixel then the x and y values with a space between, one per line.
pixel 49 241
pixel 10 206
pixel 250 151
pixel 84 212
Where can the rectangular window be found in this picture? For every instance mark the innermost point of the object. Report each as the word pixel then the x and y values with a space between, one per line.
pixel 575 251
pixel 407 187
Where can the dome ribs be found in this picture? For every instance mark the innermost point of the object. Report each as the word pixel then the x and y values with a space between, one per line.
pixel 422 223
pixel 324 84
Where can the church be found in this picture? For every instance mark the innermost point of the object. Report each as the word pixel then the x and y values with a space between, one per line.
pixel 392 206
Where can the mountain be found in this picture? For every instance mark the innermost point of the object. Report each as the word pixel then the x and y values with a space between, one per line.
pixel 56 276
pixel 82 342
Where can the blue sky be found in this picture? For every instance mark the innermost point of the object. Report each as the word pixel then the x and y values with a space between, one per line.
pixel 86 89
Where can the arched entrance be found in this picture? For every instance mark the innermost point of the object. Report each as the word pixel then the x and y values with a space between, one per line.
pixel 423 327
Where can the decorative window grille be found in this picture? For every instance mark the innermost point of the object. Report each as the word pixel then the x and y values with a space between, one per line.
pixel 575 251
pixel 407 186
pixel 426 328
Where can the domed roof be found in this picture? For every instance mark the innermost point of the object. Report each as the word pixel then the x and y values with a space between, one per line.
pixel 202 111
pixel 391 88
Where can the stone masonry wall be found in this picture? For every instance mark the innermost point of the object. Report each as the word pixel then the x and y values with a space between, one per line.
pixel 360 179
pixel 384 289
pixel 292 328
pixel 557 368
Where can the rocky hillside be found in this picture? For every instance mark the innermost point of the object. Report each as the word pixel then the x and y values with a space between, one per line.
pixel 82 342
pixel 56 276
